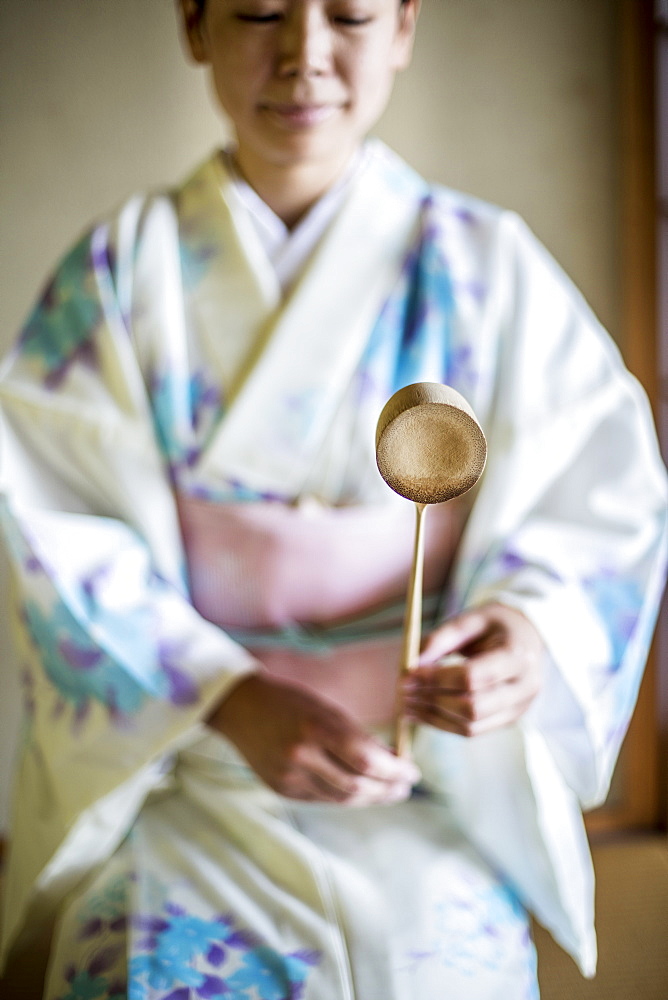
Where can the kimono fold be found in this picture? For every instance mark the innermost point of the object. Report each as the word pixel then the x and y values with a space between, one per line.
pixel 162 362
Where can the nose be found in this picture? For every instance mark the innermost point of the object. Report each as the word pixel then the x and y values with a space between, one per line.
pixel 306 44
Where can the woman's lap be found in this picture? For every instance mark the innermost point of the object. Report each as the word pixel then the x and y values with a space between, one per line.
pixel 224 889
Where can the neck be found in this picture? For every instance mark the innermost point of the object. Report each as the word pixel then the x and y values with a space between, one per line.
pixel 290 189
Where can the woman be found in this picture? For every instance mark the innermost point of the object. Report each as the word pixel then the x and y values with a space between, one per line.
pixel 210 569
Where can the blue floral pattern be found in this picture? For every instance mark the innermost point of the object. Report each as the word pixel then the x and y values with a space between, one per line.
pixel 179 955
pixel 618 600
pixel 475 926
pixel 412 335
pixel 117 657
pixel 199 249
pixel 414 338
pixel 60 329
pixel 80 671
pixel 185 409
pixel 212 958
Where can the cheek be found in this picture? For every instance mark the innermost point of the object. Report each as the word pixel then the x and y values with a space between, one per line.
pixel 233 92
pixel 240 72
pixel 373 88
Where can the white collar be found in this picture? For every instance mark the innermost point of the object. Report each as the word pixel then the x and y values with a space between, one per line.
pixel 288 250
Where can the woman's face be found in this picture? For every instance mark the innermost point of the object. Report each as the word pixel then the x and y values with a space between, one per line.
pixel 301 80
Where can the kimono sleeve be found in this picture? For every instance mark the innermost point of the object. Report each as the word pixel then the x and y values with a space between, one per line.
pixel 570 524
pixel 117 667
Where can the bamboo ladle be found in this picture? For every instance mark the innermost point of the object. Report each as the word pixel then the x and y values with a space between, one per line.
pixel 429 449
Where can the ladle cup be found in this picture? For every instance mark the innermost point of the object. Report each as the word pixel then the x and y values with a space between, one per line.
pixel 429 449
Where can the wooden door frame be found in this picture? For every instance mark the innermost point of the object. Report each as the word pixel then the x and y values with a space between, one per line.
pixel 641 800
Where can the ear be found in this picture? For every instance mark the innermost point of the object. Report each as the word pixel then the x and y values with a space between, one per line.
pixel 403 45
pixel 192 17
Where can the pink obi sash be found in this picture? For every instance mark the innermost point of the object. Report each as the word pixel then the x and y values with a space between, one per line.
pixel 259 566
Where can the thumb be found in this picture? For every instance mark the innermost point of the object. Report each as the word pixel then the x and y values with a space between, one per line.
pixel 453 636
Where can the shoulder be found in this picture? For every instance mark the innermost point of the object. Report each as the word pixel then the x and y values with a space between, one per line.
pixel 107 252
pixel 469 208
pixel 146 215
pixel 477 237
pixel 463 220
pixel 91 289
pixel 445 203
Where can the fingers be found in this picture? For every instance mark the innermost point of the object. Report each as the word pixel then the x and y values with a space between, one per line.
pixel 457 673
pixel 371 774
pixel 470 713
pixel 359 754
pixel 306 748
pixel 455 635
pixel 349 766
pixel 489 681
pixel 324 780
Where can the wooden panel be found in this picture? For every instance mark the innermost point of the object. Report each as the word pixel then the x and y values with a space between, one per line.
pixel 637 795
pixel 634 802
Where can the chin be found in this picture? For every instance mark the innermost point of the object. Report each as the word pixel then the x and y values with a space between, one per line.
pixel 300 149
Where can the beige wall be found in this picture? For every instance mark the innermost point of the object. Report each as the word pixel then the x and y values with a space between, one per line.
pixel 512 100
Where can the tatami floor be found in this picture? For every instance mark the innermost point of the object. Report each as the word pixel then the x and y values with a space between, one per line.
pixel 632 917
pixel 632 921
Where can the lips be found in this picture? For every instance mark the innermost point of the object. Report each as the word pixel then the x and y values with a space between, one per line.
pixel 300 116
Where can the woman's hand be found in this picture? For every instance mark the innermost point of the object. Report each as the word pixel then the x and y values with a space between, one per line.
pixel 490 682
pixel 306 748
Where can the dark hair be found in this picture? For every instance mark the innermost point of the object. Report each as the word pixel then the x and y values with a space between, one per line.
pixel 201 3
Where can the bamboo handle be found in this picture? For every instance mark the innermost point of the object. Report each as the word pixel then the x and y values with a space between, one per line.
pixel 410 649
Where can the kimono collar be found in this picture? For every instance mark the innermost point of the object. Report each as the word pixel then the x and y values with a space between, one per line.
pixel 309 346
pixel 289 250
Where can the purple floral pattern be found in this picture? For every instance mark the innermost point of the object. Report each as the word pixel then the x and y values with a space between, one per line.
pixel 117 657
pixel 184 955
pixel 185 410
pixel 618 600
pixel 179 955
pixel 60 330
pixel 414 338
pixel 475 926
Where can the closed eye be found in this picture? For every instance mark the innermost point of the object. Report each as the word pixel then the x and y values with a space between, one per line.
pixel 353 21
pixel 258 18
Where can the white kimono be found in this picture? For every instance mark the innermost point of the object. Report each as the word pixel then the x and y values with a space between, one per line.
pixel 163 365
